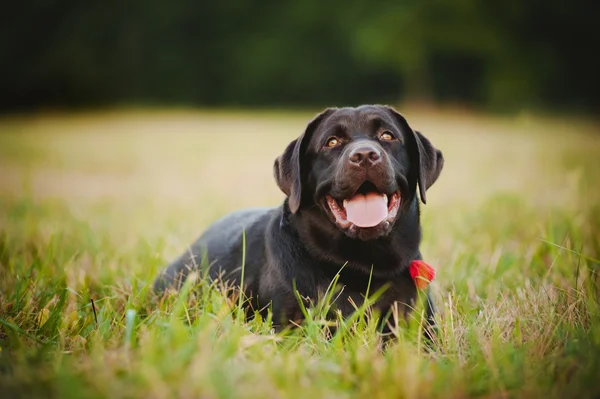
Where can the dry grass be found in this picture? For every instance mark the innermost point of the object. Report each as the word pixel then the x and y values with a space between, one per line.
pixel 93 205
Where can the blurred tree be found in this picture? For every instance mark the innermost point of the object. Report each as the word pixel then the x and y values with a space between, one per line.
pixel 502 54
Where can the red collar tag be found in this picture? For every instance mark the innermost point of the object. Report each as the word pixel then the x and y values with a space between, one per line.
pixel 421 273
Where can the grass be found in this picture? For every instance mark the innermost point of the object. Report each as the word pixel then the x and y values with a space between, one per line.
pixel 93 205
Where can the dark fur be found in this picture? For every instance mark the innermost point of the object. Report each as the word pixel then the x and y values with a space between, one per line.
pixel 299 241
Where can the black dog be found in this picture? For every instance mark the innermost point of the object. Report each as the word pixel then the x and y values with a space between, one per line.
pixel 351 181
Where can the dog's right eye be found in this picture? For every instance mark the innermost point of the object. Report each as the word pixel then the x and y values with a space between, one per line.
pixel 332 142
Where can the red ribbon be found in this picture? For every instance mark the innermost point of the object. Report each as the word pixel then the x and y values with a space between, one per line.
pixel 421 273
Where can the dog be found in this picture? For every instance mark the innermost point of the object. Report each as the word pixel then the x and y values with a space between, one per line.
pixel 351 212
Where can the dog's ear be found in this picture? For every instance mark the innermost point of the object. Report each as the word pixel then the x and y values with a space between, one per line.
pixel 431 163
pixel 288 169
pixel 427 159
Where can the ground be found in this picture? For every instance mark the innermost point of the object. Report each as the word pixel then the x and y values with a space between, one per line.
pixel 94 204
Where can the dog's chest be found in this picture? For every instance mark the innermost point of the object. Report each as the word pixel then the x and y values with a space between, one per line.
pixel 350 292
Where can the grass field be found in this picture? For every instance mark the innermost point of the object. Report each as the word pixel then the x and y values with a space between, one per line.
pixel 93 205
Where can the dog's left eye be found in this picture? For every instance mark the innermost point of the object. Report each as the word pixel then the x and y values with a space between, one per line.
pixel 387 136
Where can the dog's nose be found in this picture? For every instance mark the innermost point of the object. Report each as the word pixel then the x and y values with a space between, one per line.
pixel 365 155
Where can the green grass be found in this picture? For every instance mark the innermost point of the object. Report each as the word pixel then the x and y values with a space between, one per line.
pixel 93 205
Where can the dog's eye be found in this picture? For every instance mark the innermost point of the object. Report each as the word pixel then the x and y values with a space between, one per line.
pixel 387 136
pixel 332 142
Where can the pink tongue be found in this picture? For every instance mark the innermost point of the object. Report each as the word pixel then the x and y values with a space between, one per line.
pixel 366 210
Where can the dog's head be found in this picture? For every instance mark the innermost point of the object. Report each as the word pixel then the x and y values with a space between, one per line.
pixel 360 167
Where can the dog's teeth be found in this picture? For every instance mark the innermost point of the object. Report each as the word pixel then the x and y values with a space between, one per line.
pixel 345 203
pixel 384 197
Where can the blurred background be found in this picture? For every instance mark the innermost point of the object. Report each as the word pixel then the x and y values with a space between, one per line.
pixel 501 55
pixel 156 118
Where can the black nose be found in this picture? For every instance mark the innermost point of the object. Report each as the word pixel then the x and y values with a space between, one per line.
pixel 364 155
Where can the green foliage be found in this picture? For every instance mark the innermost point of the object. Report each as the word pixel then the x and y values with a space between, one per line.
pixel 501 54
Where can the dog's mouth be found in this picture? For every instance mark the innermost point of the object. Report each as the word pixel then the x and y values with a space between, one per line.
pixel 366 208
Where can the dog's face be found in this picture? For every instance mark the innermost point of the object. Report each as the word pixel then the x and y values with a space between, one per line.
pixel 360 167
